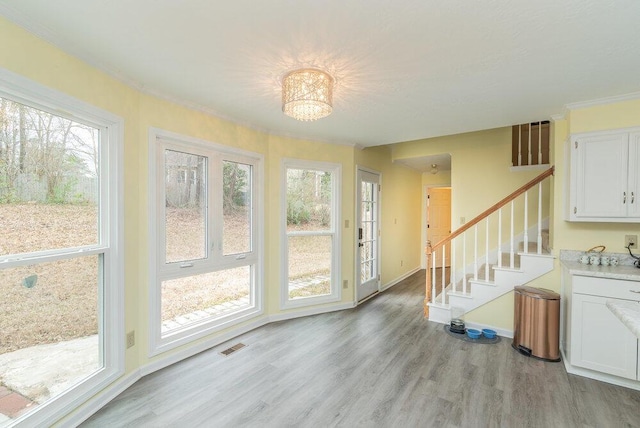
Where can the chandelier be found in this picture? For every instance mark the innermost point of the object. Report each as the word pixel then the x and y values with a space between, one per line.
pixel 307 94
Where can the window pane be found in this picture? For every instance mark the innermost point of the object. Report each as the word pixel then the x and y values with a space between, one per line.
pixel 196 298
pixel 308 199
pixel 366 271
pixel 236 208
pixel 309 266
pixel 185 207
pixel 367 256
pixel 48 181
pixel 49 324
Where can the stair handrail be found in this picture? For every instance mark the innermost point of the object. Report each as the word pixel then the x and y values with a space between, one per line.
pixel 430 249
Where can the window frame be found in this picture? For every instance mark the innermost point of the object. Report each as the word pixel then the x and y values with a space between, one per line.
pixel 334 231
pixel 159 140
pixel 109 247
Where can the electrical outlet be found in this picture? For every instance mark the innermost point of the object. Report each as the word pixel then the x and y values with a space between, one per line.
pixel 401 262
pixel 131 339
pixel 631 240
pixel 345 283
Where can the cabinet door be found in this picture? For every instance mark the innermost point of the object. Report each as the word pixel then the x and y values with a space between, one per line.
pixel 634 175
pixel 599 340
pixel 600 165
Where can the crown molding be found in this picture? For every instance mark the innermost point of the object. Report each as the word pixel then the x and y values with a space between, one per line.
pixel 603 101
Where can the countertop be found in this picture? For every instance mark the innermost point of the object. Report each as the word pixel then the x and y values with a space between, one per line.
pixel 628 313
pixel 625 272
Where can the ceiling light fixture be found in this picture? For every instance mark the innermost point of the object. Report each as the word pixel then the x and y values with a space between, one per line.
pixel 434 168
pixel 307 94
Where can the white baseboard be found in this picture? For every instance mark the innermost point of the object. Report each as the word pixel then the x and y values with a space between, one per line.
pixel 100 400
pixel 311 311
pixel 393 282
pixel 602 377
pixel 173 358
pixel 119 386
pixel 502 332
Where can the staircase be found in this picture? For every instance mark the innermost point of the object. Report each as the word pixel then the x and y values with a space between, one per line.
pixel 496 265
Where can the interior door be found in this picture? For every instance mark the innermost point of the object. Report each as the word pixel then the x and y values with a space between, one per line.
pixel 439 220
pixel 368 272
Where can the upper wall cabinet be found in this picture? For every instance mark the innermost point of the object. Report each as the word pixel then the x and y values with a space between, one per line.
pixel 603 180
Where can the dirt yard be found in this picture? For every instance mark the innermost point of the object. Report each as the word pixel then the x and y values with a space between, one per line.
pixel 57 301
pixel 50 302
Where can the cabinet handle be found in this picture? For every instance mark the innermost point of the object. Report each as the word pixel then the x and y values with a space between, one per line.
pixel 624 197
pixel 633 198
pixel 635 291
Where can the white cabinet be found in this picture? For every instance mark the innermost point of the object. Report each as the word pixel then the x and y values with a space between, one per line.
pixel 604 180
pixel 599 340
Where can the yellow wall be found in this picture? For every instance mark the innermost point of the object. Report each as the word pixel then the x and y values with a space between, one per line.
pixel 480 162
pixel 579 235
pixel 479 174
pixel 573 235
pixel 480 177
pixel 442 178
pixel 400 240
pixel 279 149
pixel 28 56
pixel 35 59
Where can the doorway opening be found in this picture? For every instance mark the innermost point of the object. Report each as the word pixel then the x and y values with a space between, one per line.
pixel 438 222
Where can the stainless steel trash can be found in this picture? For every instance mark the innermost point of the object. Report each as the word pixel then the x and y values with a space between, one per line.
pixel 536 327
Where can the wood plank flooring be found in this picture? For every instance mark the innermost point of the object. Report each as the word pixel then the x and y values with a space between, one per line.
pixel 378 365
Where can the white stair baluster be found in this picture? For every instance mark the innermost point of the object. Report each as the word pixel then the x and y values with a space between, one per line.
pixel 433 278
pixel 539 218
pixel 486 251
pixel 499 237
pixel 464 263
pixel 511 252
pixel 475 252
pixel 453 265
pixel 526 223
pixel 444 284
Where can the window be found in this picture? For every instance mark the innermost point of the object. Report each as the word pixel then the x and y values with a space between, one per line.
pixel 208 263
pixel 311 269
pixel 61 277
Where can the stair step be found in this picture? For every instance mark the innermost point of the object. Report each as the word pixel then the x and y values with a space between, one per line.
pixel 532 246
pixel 487 285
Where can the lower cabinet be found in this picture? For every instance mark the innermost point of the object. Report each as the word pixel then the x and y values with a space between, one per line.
pixel 599 340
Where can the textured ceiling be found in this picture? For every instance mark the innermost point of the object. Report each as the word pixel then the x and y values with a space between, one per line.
pixel 405 69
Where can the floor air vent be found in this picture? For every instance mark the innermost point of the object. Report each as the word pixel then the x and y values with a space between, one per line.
pixel 233 349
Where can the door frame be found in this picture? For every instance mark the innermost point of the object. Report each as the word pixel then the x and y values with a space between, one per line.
pixel 355 234
pixel 423 220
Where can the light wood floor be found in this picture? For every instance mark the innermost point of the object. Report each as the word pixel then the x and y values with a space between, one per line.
pixel 379 365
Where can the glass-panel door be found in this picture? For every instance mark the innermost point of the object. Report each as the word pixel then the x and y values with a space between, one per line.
pixel 368 192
